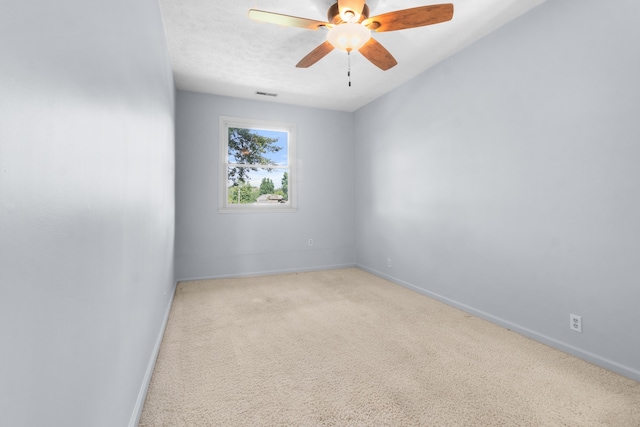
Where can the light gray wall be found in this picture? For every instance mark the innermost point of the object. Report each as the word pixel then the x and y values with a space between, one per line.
pixel 86 208
pixel 505 180
pixel 209 244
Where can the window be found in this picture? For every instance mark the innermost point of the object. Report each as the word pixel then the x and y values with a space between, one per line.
pixel 257 166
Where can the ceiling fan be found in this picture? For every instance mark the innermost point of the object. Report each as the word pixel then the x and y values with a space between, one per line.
pixel 350 28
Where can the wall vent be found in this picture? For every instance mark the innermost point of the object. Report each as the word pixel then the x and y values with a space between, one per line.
pixel 266 94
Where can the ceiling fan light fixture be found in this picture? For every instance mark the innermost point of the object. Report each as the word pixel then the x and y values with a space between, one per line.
pixel 348 36
pixel 350 28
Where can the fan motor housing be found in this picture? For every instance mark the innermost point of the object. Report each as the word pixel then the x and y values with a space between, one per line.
pixel 333 14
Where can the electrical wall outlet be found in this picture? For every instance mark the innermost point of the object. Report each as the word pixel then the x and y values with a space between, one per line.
pixel 310 242
pixel 389 262
pixel 575 323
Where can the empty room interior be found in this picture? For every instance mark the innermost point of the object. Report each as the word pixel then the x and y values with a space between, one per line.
pixel 501 180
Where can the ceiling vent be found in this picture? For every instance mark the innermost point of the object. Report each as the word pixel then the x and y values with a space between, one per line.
pixel 266 94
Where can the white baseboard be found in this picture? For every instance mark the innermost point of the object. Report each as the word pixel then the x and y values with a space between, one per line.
pixel 142 394
pixel 551 342
pixel 273 272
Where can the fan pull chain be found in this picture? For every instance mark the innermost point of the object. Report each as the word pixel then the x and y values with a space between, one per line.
pixel 349 66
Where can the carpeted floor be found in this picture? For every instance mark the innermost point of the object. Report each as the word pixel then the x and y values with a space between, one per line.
pixel 345 348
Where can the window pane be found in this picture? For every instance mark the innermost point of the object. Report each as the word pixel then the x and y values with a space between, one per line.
pixel 258 165
pixel 258 147
pixel 259 186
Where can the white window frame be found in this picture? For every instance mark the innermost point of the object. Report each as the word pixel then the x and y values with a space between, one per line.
pixel 227 122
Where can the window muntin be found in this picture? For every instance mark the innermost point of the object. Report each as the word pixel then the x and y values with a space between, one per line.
pixel 258 170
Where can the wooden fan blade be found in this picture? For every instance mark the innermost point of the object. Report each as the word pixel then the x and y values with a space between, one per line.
pixel 286 20
pixel 377 54
pixel 356 6
pixel 410 18
pixel 315 55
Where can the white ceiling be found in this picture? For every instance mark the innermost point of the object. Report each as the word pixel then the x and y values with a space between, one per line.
pixel 215 48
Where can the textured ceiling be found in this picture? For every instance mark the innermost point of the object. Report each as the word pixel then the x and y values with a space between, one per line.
pixel 215 48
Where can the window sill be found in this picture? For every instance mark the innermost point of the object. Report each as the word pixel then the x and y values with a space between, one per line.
pixel 257 209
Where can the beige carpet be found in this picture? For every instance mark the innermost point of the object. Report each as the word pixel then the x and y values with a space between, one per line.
pixel 345 348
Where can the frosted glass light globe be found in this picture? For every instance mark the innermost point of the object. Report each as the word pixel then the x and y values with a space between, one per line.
pixel 348 36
